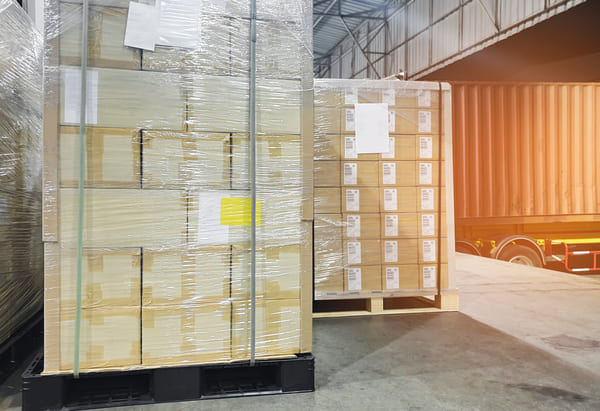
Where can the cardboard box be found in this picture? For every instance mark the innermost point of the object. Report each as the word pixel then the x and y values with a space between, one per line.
pixel 433 276
pixel 402 148
pixel 361 226
pixel 278 330
pixel 428 199
pixel 363 278
pixel 398 173
pixel 328 120
pixel 394 97
pixel 401 277
pixel 429 253
pixel 362 200
pixel 400 225
pixel 428 147
pixel 124 99
pixel 328 227
pixel 113 157
pixel 328 200
pixel 180 276
pixel 327 173
pixel 124 217
pixel 413 121
pixel 398 199
pixel 328 256
pixel 359 173
pixel 188 334
pixel 428 173
pixel 400 251
pixel 327 147
pixel 348 145
pixel 361 252
pixel 429 224
pixel 179 160
pixel 328 281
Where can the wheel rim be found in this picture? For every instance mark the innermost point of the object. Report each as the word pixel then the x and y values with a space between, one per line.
pixel 521 259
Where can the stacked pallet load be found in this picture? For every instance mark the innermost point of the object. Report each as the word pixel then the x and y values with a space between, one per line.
pixel 21 253
pixel 150 263
pixel 383 191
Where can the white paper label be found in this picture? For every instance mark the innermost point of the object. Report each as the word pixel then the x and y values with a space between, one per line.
pixel 427 225
pixel 391 226
pixel 354 279
pixel 388 96
pixel 354 252
pixel 426 147
pixel 425 173
pixel 429 251
pixel 351 96
pixel 390 251
pixel 141 30
pixel 389 173
pixel 390 199
pixel 352 200
pixel 350 119
pixel 424 98
pixel 392 152
pixel 72 105
pixel 350 174
pixel 424 121
pixel 392 278
pixel 392 121
pixel 427 199
pixel 353 226
pixel 350 147
pixel 372 132
pixel 179 23
pixel 429 277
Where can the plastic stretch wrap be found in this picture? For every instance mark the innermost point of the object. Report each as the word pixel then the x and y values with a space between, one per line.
pixel 166 227
pixel 382 183
pixel 21 256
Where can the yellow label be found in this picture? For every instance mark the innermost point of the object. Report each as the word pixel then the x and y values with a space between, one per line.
pixel 237 211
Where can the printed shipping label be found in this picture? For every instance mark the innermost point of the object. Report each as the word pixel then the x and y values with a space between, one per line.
pixel 392 152
pixel 350 174
pixel 426 173
pixel 392 278
pixel 391 226
pixel 429 277
pixel 424 98
pixel 426 147
pixel 424 121
pixel 354 252
pixel 391 251
pixel 427 199
pixel 429 251
pixel 427 225
pixel 353 226
pixel 390 199
pixel 389 173
pixel 392 121
pixel 350 119
pixel 352 200
pixel 350 147
pixel 354 279
pixel 388 96
pixel 351 96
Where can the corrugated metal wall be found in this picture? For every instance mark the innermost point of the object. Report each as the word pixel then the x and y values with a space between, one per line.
pixel 526 149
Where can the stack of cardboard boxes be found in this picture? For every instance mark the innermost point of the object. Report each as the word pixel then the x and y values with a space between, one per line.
pixel 381 218
pixel 166 225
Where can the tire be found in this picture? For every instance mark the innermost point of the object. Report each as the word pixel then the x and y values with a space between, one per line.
pixel 464 248
pixel 521 254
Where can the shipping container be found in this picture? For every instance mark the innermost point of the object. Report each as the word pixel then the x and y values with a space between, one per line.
pixel 527 172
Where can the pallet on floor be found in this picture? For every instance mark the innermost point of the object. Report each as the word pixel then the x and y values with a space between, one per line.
pixel 165 384
pixel 378 306
pixel 24 343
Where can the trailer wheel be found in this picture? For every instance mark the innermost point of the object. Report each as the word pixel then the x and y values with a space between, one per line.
pixel 520 254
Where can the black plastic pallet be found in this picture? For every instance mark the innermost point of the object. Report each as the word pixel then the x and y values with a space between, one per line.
pixel 24 343
pixel 167 384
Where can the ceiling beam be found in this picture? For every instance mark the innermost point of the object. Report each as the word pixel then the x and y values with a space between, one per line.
pixel 359 47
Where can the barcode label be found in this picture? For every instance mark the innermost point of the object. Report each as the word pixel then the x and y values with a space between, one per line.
pixel 426 147
pixel 427 199
pixel 351 96
pixel 391 251
pixel 350 175
pixel 392 152
pixel 391 226
pixel 424 121
pixel 352 200
pixel 350 119
pixel 429 277
pixel 350 147
pixel 353 226
pixel 354 252
pixel 388 96
pixel 425 173
pixel 390 199
pixel 392 278
pixel 354 279
pixel 427 225
pixel 389 173
pixel 429 251
pixel 424 98
pixel 391 121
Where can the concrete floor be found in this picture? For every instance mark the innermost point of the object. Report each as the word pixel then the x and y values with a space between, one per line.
pixel 525 339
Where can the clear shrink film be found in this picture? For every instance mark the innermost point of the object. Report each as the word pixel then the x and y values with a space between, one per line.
pixel 380 215
pixel 21 255
pixel 163 248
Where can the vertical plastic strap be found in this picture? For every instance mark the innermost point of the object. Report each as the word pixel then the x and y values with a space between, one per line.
pixel 252 170
pixel 440 185
pixel 82 120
